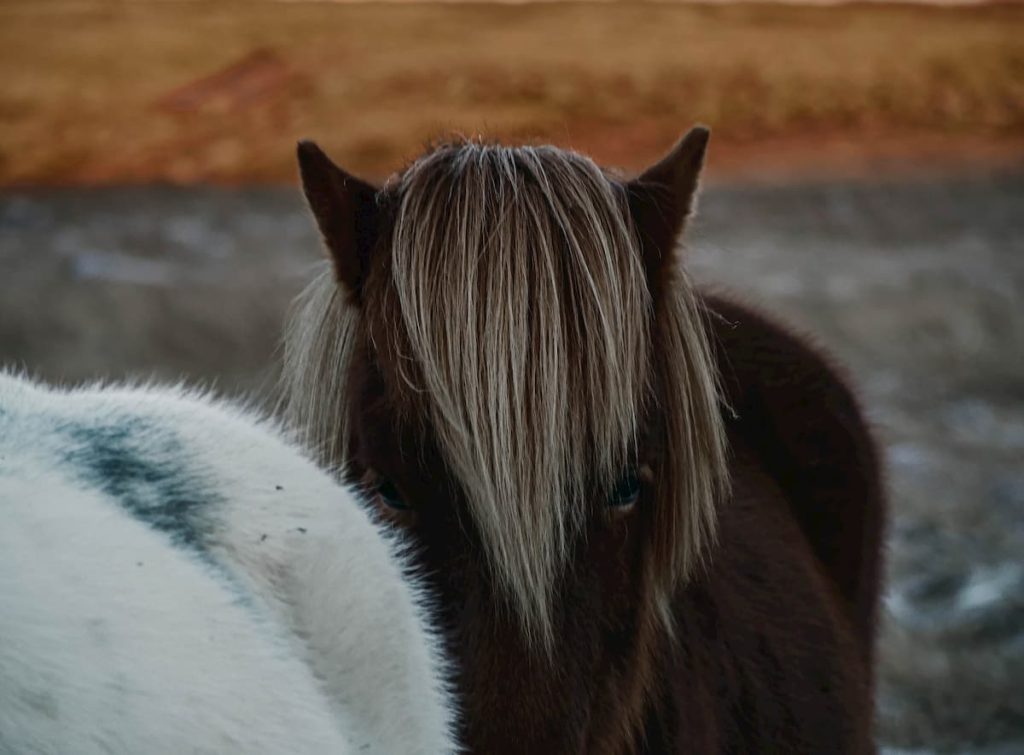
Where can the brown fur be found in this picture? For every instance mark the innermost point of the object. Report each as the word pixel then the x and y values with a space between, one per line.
pixel 763 646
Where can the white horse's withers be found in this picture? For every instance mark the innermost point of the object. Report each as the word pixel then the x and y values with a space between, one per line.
pixel 176 577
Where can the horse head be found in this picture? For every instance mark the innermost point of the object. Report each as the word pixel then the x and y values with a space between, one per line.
pixel 508 356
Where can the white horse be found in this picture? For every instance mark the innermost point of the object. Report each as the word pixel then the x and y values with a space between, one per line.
pixel 175 577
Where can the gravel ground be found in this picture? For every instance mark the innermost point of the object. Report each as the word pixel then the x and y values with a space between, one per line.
pixel 917 287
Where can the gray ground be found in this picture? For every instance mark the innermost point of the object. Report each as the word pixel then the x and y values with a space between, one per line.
pixel 919 288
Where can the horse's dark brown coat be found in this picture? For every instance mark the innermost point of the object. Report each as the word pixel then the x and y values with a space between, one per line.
pixel 773 640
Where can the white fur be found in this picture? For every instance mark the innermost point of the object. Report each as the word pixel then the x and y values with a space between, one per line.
pixel 288 624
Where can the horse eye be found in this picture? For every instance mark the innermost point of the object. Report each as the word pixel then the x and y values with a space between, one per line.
pixel 626 490
pixel 388 493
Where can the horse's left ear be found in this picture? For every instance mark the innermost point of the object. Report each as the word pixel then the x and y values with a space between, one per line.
pixel 346 211
pixel 662 198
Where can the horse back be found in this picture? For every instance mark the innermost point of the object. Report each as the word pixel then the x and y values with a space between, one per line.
pixel 800 419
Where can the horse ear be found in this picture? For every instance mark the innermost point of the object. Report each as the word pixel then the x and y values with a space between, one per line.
pixel 662 198
pixel 346 212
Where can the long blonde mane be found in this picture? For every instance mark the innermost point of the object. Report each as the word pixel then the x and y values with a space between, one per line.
pixel 518 306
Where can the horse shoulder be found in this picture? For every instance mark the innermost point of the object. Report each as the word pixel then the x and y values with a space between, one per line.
pixel 114 640
pixel 802 421
pixel 766 657
pixel 212 503
pixel 305 546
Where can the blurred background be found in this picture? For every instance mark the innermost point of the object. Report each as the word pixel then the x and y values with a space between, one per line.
pixel 866 182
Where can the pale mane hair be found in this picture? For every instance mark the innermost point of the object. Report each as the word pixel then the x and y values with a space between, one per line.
pixel 320 335
pixel 519 315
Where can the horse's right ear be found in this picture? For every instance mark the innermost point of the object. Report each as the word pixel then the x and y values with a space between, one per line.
pixel 662 198
pixel 346 212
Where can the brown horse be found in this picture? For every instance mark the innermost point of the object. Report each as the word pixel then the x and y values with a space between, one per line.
pixel 652 517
